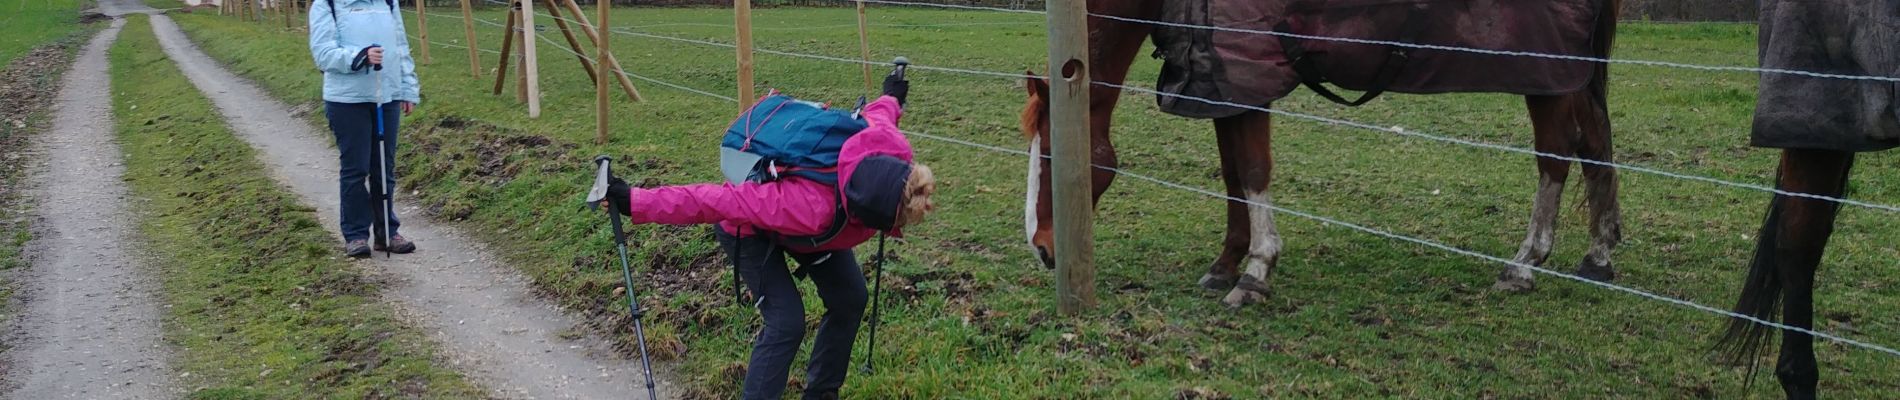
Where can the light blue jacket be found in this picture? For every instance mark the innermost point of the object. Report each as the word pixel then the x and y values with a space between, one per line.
pixel 357 24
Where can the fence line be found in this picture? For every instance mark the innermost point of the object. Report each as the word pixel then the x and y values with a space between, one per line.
pixel 584 56
pixel 1373 231
pixel 1322 119
pixel 1652 63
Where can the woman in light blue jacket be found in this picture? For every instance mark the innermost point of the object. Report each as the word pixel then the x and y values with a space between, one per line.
pixel 362 49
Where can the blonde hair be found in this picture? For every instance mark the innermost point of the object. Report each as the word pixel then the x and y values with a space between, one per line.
pixel 918 188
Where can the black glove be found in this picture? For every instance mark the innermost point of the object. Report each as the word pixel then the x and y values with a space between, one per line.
pixel 896 87
pixel 617 195
pixel 362 60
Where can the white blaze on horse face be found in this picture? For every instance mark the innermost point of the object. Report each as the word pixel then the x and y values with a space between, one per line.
pixel 1265 247
pixel 1034 191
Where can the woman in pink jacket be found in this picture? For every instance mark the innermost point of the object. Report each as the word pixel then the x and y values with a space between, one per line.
pixel 883 191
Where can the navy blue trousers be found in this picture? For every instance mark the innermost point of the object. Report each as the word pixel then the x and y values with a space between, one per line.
pixel 762 265
pixel 354 126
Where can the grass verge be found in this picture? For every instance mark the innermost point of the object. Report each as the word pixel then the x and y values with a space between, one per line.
pixel 259 303
pixel 25 24
pixel 970 315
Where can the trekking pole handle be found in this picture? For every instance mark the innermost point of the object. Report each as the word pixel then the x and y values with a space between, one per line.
pixel 602 176
pixel 902 64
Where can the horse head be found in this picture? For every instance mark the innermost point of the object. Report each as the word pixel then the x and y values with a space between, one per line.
pixel 1037 222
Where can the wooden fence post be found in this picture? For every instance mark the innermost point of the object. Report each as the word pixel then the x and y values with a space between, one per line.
pixel 422 27
pixel 1069 83
pixel 529 67
pixel 595 34
pixel 507 50
pixel 864 48
pixel 742 16
pixel 600 64
pixel 468 32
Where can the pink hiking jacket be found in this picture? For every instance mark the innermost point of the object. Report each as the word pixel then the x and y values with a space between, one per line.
pixel 791 206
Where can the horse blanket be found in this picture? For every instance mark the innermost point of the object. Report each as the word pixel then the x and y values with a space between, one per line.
pixel 1848 37
pixel 1239 64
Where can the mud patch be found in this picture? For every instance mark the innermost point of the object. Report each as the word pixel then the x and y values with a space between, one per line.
pixel 26 88
pixel 92 17
pixel 671 269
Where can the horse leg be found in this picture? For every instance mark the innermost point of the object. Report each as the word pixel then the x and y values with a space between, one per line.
pixel 1606 215
pixel 1226 268
pixel 1800 239
pixel 1253 134
pixel 1554 132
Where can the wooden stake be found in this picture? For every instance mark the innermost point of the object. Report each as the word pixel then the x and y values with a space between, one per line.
pixel 521 59
pixel 1069 83
pixel 468 33
pixel 579 53
pixel 530 68
pixel 601 55
pixel 595 35
pixel 288 7
pixel 742 15
pixel 422 29
pixel 257 11
pixel 507 49
pixel 864 48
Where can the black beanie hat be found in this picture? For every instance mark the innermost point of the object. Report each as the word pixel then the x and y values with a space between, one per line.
pixel 875 190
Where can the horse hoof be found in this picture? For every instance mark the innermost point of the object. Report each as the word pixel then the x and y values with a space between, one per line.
pixel 1599 273
pixel 1217 282
pixel 1514 280
pixel 1247 290
pixel 1241 297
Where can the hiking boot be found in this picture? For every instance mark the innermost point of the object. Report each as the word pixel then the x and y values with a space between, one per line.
pixel 399 245
pixel 356 248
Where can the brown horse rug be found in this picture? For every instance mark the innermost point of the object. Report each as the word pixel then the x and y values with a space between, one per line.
pixel 1233 65
pixel 1847 37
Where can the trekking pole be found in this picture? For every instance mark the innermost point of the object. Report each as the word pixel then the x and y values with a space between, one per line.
pixel 877 287
pixel 380 231
pixel 877 293
pixel 594 196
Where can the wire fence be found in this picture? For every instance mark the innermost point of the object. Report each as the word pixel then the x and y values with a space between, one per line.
pixel 1397 130
pixel 1306 215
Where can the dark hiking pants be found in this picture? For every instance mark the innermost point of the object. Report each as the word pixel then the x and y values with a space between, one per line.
pixel 354 126
pixel 762 265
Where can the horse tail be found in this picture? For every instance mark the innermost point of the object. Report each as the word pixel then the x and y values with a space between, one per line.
pixel 1604 39
pixel 1745 340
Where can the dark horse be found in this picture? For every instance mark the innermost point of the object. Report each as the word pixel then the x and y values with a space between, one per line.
pixel 1819 123
pixel 1574 124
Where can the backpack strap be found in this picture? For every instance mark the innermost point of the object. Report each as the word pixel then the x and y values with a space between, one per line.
pixel 838 221
pixel 391 3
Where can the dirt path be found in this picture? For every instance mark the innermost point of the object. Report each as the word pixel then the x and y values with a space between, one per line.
pixel 481 311
pixel 90 324
pixel 122 7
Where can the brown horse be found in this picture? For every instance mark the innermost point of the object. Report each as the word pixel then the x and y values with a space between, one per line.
pixel 1820 123
pixel 1575 124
